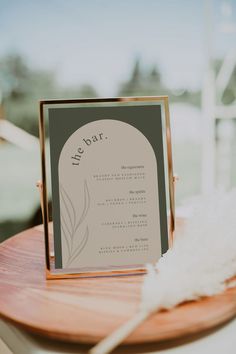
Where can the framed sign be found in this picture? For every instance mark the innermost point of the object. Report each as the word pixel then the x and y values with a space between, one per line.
pixel 108 166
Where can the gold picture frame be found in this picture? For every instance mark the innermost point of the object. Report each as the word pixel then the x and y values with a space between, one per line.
pixel 51 272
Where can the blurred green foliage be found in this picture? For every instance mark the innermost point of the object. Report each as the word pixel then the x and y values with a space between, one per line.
pixel 148 82
pixel 22 87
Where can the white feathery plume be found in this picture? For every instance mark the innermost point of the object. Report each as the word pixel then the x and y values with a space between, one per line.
pixel 200 262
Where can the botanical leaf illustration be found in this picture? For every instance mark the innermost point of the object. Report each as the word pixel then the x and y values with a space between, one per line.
pixel 80 247
pixel 71 225
pixel 86 205
pixel 65 237
pixel 69 208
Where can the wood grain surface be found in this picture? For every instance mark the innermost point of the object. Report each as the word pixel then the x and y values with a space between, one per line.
pixel 87 310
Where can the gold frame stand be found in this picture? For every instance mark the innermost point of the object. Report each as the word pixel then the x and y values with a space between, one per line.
pixel 49 250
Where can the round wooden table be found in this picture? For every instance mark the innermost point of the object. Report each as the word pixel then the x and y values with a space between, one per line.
pixel 87 310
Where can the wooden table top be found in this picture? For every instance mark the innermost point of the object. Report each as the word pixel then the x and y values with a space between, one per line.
pixel 87 310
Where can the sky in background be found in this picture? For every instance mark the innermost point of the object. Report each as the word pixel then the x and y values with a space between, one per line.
pixel 96 41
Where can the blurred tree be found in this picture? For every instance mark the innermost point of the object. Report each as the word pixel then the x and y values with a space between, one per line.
pixel 142 83
pixel 84 91
pixel 22 88
pixel 87 91
pixel 13 76
pixel 149 82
